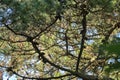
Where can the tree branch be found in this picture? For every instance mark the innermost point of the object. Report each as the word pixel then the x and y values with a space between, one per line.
pixel 84 24
pixel 25 77
pixel 46 28
pixel 117 25
pixel 45 60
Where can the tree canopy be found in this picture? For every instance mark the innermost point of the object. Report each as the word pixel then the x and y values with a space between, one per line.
pixel 60 39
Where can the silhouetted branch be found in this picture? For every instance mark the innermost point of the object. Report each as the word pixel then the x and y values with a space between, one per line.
pixel 21 34
pixel 84 24
pixel 117 25
pixel 9 69
pixel 46 28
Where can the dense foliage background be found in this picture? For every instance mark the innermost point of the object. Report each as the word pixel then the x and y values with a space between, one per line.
pixel 60 39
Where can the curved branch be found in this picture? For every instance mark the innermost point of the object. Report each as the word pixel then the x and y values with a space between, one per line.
pixel 21 34
pixel 117 25
pixel 46 28
pixel 48 78
pixel 39 78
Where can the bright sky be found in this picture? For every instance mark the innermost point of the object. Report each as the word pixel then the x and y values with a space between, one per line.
pixel 5 76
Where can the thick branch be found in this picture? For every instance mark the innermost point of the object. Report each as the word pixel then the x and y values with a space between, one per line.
pixel 45 60
pixel 84 24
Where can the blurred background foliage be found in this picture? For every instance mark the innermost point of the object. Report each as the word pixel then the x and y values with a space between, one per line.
pixel 61 42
